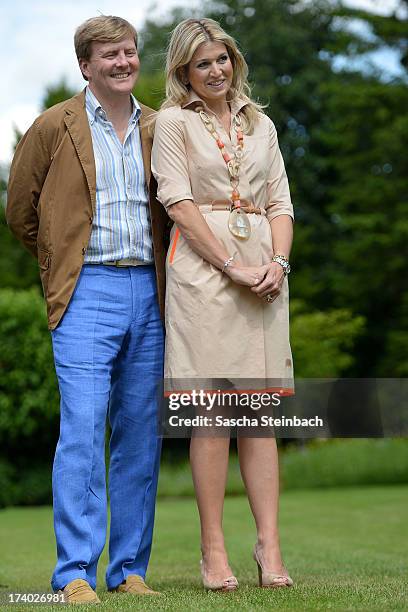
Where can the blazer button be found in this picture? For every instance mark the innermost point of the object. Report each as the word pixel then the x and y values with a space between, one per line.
pixel 90 220
pixel 83 251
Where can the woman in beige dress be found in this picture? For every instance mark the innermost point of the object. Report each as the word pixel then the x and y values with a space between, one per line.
pixel 222 180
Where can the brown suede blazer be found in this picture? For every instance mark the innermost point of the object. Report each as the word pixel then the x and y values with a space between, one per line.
pixel 51 199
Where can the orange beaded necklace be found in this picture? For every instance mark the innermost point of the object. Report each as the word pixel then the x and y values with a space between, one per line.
pixel 238 221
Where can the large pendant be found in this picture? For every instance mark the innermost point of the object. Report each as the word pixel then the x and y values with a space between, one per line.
pixel 238 224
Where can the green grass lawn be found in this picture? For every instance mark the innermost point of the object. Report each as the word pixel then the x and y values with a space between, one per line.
pixel 346 549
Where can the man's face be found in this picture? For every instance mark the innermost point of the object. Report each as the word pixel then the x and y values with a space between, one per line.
pixel 112 69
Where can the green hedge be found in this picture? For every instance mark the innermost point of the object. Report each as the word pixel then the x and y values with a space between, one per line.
pixel 338 463
pixel 29 399
pixel 25 485
pixel 317 464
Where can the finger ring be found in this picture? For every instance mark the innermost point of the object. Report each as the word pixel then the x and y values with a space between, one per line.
pixel 269 298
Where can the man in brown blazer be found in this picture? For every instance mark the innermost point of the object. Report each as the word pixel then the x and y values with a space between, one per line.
pixel 81 200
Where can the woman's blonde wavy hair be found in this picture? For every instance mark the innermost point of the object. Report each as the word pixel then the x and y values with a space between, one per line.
pixel 184 41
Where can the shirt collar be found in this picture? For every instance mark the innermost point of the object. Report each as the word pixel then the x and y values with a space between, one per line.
pixel 194 100
pixel 94 108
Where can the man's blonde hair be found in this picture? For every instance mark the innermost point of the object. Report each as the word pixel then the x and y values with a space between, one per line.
pixel 103 29
pixel 185 40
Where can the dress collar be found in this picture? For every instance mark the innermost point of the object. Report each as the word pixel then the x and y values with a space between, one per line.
pixel 194 100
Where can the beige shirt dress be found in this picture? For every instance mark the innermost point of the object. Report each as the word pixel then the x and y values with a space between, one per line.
pixel 216 329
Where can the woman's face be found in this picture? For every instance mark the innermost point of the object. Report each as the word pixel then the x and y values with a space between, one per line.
pixel 210 72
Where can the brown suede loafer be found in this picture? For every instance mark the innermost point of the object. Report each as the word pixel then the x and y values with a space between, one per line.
pixel 134 585
pixel 79 592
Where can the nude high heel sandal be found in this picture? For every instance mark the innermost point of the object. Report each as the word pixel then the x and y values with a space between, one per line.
pixel 224 586
pixel 268 579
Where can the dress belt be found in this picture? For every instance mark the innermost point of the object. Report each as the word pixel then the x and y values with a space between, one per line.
pixel 246 206
pixel 121 263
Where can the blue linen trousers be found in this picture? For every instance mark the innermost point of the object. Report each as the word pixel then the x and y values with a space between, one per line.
pixel 108 351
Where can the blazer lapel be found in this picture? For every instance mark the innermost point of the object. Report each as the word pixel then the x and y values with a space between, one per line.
pixel 146 141
pixel 77 124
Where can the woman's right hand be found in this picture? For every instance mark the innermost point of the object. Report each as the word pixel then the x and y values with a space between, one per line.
pixel 248 276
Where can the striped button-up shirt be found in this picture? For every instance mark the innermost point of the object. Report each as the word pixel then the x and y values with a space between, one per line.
pixel 121 225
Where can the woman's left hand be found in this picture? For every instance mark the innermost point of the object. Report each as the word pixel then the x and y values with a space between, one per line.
pixel 270 286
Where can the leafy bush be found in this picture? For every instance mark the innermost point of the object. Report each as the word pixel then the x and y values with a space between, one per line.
pixel 29 397
pixel 18 269
pixel 25 486
pixel 322 342
pixel 8 495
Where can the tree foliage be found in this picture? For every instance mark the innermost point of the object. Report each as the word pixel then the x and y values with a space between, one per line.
pixel 57 93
